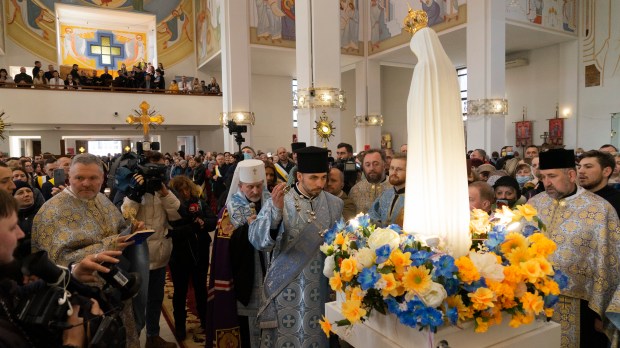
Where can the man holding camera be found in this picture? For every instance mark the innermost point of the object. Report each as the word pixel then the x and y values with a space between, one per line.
pixel 150 201
pixel 81 221
pixel 12 332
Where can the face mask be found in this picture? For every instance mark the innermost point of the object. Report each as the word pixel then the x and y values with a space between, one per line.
pixel 522 179
pixel 509 153
pixel 247 156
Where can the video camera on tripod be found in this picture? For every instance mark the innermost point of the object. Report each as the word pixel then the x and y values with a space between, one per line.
pixel 44 305
pixel 237 130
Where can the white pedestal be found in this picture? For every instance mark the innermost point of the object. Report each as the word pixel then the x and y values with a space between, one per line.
pixel 386 331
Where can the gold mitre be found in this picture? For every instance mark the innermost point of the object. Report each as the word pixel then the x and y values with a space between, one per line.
pixel 415 20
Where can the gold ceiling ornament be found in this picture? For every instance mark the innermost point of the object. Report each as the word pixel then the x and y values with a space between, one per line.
pixel 415 20
pixel 145 117
pixel 3 125
pixel 324 128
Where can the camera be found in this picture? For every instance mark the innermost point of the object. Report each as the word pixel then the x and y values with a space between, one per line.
pixel 233 127
pixel 43 306
pixel 237 130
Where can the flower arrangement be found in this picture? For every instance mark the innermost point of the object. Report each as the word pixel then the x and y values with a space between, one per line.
pixel 389 271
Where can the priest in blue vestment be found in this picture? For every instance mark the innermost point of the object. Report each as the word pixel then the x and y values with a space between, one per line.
pixel 290 227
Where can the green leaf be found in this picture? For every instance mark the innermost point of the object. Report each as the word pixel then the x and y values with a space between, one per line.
pixel 343 322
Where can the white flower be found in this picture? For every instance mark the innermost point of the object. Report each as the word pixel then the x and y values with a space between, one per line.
pixel 328 268
pixel 380 284
pixel 365 258
pixel 487 265
pixel 327 249
pixel 383 236
pixel 435 295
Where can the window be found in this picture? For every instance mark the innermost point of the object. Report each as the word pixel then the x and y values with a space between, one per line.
pixel 462 77
pixel 104 147
pixel 294 91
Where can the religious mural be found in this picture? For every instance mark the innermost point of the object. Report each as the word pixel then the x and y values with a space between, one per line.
pixel 32 25
pixel 386 19
pixel 600 35
pixel 272 22
pixel 552 14
pixel 351 39
pixel 208 29
pixel 95 49
pixel 2 48
pixel 175 34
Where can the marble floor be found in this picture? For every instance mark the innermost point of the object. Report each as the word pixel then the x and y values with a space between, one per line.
pixel 164 332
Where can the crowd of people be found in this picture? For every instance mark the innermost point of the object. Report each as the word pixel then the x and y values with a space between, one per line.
pixel 141 77
pixel 267 212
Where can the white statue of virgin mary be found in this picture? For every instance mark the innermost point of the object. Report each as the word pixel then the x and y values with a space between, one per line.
pixel 437 201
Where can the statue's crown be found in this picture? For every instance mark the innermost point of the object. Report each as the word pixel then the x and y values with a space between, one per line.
pixel 415 20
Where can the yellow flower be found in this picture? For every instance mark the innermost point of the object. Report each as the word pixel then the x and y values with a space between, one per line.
pixel 417 279
pixel 531 270
pixel 532 303
pixel 541 245
pixel 548 286
pixel 390 286
pixel 518 255
pixel 549 312
pixel 479 222
pixel 326 326
pixel 482 325
pixel 482 299
pixel 513 241
pixel 345 243
pixel 335 282
pixel 527 211
pixel 467 271
pixel 400 260
pixel 356 294
pixel 353 311
pixel 339 239
pixel 464 311
pixel 348 269
pixel 521 318
pixel 513 274
pixel 545 266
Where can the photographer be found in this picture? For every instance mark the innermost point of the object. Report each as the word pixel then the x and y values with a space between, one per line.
pixel 13 333
pixel 151 202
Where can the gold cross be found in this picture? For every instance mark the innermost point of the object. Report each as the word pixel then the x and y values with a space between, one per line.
pixel 145 118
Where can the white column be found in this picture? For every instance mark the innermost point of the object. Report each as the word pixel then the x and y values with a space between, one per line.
pixel 318 21
pixel 236 78
pixel 367 101
pixel 486 70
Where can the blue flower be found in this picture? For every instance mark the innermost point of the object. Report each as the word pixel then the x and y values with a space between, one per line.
pixel 408 318
pixel 496 237
pixel 393 305
pixel 528 230
pixel 430 317
pixel 350 228
pixel 340 224
pixel 368 277
pixel 453 315
pixel 474 285
pixel 561 279
pixel 451 285
pixel 444 267
pixel 330 236
pixel 395 228
pixel 419 257
pixel 409 240
pixel 551 300
pixel 364 220
pixel 383 253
